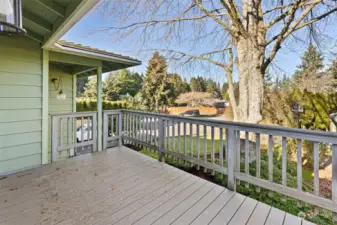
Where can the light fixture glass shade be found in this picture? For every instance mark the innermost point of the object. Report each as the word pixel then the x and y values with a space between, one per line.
pixel 61 96
pixel 11 17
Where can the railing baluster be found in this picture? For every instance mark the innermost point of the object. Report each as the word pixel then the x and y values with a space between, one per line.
pixel 213 149
pixel 198 144
pixel 82 132
pixel 90 128
pixel 230 135
pixel 111 125
pixel 299 168
pixel 247 156
pixel 68 131
pixel 105 130
pixel 134 126
pixel 179 146
pixel 284 163
pixel 238 153
pixel 191 141
pixel 120 129
pixel 124 130
pixel 205 146
pixel 221 147
pixel 151 139
pixel 270 160
pixel 258 159
pixel 168 135
pixel 334 179
pixel 161 156
pixel 185 143
pixel 316 173
pixel 173 136
pixel 54 138
pixel 61 131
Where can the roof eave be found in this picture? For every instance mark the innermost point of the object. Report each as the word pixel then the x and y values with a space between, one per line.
pixel 59 48
pixel 81 10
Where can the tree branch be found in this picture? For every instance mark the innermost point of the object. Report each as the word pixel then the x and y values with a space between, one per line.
pixel 214 17
pixel 200 57
pixel 289 27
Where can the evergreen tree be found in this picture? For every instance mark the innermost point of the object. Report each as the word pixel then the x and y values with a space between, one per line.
pixel 90 89
pixel 311 61
pixel 198 84
pixel 81 82
pixel 177 86
pixel 155 85
pixel 224 91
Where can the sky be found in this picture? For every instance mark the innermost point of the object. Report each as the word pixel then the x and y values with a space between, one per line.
pixel 86 32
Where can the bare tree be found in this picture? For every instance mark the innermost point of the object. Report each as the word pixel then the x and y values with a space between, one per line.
pixel 246 35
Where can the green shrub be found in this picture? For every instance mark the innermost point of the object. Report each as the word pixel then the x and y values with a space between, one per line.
pixel 88 104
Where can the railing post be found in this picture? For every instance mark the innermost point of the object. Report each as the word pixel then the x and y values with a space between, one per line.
pixel 94 131
pixel 105 130
pixel 231 185
pixel 54 138
pixel 161 156
pixel 119 128
pixel 334 179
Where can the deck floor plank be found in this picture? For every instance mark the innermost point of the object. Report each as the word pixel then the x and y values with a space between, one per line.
pixel 199 207
pixel 213 209
pixel 259 215
pixel 244 212
pixel 167 206
pixel 275 217
pixel 292 220
pixel 173 214
pixel 229 210
pixel 122 186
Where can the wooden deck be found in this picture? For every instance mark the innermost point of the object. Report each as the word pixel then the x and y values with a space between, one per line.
pixel 122 186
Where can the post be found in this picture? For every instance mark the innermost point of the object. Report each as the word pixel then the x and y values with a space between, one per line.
pixel 54 138
pixel 334 179
pixel 161 156
pixel 45 97
pixel 94 130
pixel 99 108
pixel 231 159
pixel 73 120
pixel 105 130
pixel 120 129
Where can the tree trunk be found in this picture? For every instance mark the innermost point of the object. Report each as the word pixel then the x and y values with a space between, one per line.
pixel 250 52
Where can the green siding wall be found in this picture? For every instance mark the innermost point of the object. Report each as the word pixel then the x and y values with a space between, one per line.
pixel 20 103
pixel 59 106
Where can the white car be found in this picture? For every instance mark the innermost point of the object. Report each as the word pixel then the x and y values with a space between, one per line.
pixel 86 133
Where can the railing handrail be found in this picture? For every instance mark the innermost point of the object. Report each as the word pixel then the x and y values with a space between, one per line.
pixel 328 137
pixel 87 113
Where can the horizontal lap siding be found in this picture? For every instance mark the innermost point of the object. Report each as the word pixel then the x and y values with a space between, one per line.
pixel 59 106
pixel 20 103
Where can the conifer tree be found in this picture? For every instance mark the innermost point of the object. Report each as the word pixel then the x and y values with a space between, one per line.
pixel 155 87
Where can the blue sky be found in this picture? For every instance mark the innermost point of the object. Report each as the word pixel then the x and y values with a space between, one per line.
pixel 86 32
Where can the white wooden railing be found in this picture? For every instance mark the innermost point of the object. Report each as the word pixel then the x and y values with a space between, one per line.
pixel 237 149
pixel 64 133
pixel 186 139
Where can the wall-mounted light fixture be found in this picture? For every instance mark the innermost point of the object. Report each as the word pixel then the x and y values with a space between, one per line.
pixel 60 95
pixel 11 17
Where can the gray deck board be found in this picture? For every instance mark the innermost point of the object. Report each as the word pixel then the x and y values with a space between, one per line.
pixel 275 217
pixel 259 215
pixel 121 186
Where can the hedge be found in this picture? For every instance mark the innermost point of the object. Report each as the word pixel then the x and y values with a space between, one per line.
pixel 87 104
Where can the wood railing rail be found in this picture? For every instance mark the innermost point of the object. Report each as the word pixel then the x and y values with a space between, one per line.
pixel 238 148
pixel 65 135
